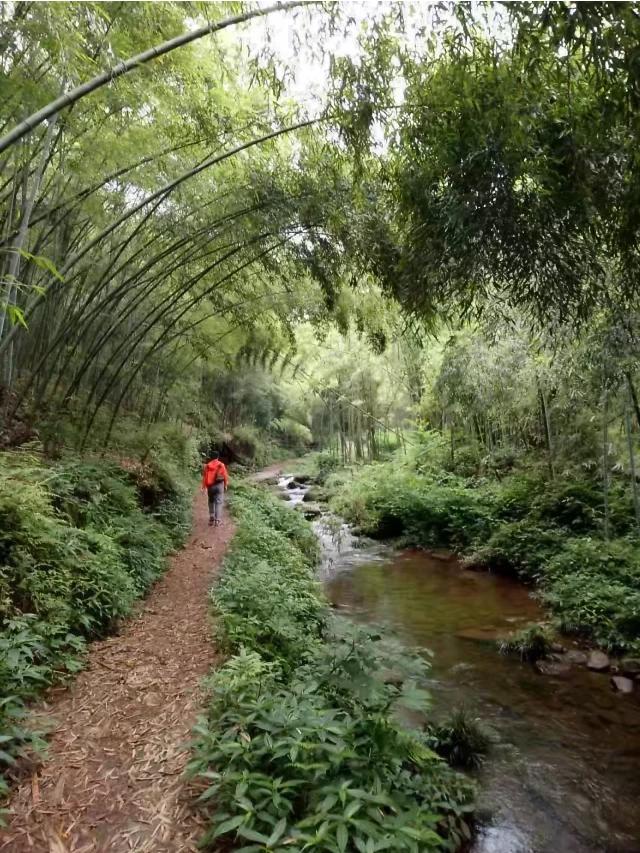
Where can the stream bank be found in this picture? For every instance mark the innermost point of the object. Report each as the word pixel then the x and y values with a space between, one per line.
pixel 562 775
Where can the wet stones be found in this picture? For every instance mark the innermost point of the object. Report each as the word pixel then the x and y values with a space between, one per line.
pixel 577 657
pixel 624 675
pixel 598 662
pixel 621 684
pixel 310 511
pixel 630 667
pixel 553 667
pixel 315 494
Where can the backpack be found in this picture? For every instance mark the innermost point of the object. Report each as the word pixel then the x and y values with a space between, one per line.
pixel 214 475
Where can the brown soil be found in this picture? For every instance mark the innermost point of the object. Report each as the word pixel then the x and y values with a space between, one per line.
pixel 113 780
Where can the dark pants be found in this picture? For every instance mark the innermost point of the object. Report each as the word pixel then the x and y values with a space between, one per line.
pixel 215 494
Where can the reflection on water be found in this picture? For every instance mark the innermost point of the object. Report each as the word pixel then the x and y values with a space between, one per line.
pixel 564 776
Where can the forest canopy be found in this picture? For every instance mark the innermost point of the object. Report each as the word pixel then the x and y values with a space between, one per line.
pixel 443 164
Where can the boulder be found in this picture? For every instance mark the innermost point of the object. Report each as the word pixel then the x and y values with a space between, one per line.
pixel 621 684
pixel 311 511
pixel 577 657
pixel 558 648
pixel 479 635
pixel 630 667
pixel 314 494
pixel 302 479
pixel 552 667
pixel 598 662
pixel 293 484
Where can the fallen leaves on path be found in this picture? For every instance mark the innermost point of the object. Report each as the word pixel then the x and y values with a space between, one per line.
pixel 113 780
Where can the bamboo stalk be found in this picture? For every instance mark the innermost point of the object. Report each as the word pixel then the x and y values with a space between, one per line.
pixel 131 64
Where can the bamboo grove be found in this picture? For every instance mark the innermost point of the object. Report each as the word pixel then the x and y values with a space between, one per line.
pixel 170 200
pixel 142 224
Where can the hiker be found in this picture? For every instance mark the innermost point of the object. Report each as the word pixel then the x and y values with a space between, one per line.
pixel 215 481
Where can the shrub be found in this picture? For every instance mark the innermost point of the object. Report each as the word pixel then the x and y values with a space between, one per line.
pixel 326 464
pixel 511 498
pixel 293 435
pixel 578 505
pixel 386 501
pixel 144 545
pixel 594 588
pixel 461 740
pixel 523 547
pixel 89 494
pixel 465 462
pixel 249 443
pixel 530 644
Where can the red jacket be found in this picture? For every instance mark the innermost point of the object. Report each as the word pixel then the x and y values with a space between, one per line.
pixel 211 471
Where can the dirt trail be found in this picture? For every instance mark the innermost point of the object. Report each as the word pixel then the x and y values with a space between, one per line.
pixel 113 780
pixel 276 470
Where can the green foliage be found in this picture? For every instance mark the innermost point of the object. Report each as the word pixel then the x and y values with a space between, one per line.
pixel 531 644
pixel 301 747
pixel 296 437
pixel 326 464
pixel 577 505
pixel 387 500
pixel 79 542
pixel 460 739
pixel 593 586
pixel 522 547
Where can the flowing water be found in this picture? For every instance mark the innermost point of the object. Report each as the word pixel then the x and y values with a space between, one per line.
pixel 564 773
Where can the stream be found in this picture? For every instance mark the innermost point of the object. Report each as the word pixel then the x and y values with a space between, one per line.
pixel 563 775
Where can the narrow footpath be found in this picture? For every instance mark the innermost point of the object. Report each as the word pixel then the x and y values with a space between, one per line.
pixel 113 780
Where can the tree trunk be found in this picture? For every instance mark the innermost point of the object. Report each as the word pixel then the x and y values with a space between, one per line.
pixel 605 460
pixel 634 396
pixel 547 430
pixel 453 445
pixel 16 249
pixel 632 464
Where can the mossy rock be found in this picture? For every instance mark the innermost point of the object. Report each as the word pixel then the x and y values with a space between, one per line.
pixel 315 494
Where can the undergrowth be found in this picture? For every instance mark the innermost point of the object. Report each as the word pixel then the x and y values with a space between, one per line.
pixel 547 532
pixel 302 747
pixel 530 644
pixel 80 541
pixel 460 739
